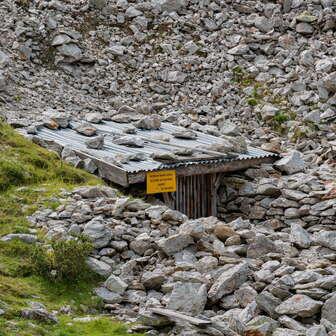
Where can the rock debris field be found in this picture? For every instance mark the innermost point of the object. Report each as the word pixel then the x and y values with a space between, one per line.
pixel 264 70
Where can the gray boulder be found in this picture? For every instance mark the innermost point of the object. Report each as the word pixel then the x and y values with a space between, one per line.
pixel 319 330
pixel 153 280
pixel 299 236
pixel 326 239
pixel 330 82
pixel 260 246
pixel 291 163
pixel 172 5
pixel 175 243
pixel 188 297
pixel 70 50
pixel 95 118
pixel 107 296
pixel 228 281
pixel 115 284
pixel 98 232
pixel 268 303
pixel 329 310
pixel 99 267
pixel 261 325
pixel 96 142
pixel 300 305
pixel 86 129
pixel 152 122
pixel 287 332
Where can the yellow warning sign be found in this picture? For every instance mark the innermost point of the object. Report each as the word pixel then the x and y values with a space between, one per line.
pixel 161 181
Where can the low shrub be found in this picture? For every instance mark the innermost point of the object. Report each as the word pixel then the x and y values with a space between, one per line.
pixel 63 261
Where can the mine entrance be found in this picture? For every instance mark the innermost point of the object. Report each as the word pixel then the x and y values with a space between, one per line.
pixel 195 196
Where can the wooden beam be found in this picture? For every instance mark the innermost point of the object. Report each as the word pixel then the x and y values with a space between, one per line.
pixel 107 170
pixel 209 168
pixel 179 316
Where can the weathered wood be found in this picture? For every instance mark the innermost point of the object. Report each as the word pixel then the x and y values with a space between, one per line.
pixel 168 199
pixel 179 316
pixel 213 195
pixel 208 168
pixel 106 170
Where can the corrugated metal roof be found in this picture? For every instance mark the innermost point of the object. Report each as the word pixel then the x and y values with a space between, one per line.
pixel 69 137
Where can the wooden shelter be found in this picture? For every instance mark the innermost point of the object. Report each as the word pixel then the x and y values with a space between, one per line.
pixel 196 176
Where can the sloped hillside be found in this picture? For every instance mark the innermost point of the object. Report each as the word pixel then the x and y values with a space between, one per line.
pixel 30 179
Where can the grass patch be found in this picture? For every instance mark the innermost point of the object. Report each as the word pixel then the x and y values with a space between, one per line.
pixel 32 178
pixel 24 163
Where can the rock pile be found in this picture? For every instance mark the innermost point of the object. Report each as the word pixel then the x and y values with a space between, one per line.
pixel 262 194
pixel 238 278
pixel 266 66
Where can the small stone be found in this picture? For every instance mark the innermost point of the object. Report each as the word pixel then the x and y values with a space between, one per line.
pixel 117 50
pixel 241 49
pixel 130 141
pixel 94 118
pixel 152 122
pixel 107 296
pixel 153 280
pixel 223 232
pixel 304 28
pixel 86 129
pixel 96 142
pixel 115 285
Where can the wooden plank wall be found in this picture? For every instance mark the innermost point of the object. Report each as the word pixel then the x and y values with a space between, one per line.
pixel 196 195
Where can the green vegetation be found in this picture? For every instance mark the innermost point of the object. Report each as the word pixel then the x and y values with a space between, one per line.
pixel 31 178
pixel 280 118
pixel 278 122
pixel 63 261
pixel 252 101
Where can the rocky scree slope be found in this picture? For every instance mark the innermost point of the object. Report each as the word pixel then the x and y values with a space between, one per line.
pixel 267 67
pixel 202 64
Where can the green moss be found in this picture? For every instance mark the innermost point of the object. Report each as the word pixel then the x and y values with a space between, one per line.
pixel 252 101
pixel 238 69
pixel 280 118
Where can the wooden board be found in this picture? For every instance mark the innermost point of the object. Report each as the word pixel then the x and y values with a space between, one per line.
pixel 174 315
